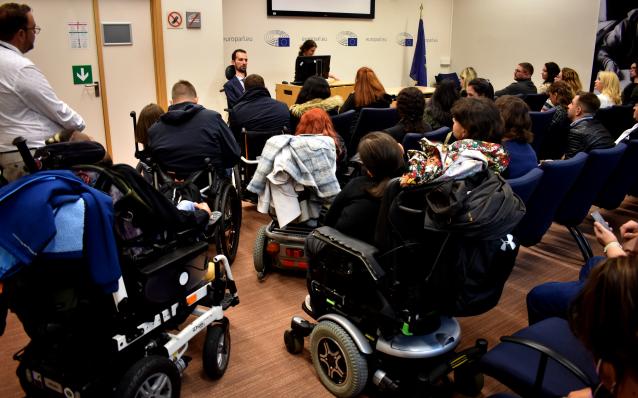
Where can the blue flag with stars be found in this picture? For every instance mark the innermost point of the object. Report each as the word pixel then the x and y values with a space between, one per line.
pixel 418 70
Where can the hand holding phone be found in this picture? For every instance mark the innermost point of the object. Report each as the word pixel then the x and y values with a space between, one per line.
pixel 597 217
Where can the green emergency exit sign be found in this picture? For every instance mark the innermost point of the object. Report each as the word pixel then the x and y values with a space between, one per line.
pixel 82 74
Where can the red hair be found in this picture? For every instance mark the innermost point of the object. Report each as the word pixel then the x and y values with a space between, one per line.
pixel 367 87
pixel 317 121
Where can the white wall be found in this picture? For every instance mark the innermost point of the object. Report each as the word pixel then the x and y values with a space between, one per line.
pixel 196 54
pixel 494 35
pixel 246 24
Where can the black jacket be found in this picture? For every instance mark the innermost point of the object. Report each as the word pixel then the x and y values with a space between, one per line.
pixel 383 102
pixel 354 211
pixel 518 87
pixel 233 90
pixel 188 134
pixel 257 111
pixel 587 135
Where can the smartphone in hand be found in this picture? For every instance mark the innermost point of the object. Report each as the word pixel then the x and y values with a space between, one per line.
pixel 597 217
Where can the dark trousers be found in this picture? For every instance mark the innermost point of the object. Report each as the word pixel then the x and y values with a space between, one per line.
pixel 553 299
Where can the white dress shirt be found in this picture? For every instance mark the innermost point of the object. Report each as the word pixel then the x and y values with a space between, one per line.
pixel 625 134
pixel 28 105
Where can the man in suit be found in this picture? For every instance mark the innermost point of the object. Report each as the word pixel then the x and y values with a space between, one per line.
pixel 523 84
pixel 234 87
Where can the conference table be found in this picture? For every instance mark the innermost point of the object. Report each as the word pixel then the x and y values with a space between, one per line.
pixel 287 93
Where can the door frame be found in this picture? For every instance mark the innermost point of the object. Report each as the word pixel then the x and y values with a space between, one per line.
pixel 158 63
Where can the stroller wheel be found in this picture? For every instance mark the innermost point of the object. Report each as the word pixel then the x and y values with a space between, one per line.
pixel 293 342
pixel 151 376
pixel 260 257
pixel 216 350
pixel 341 367
pixel 227 237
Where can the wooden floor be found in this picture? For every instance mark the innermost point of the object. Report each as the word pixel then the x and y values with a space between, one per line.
pixel 260 365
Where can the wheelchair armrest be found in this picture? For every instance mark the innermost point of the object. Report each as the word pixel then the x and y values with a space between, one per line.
pixel 243 159
pixel 360 249
pixel 547 353
pixel 179 255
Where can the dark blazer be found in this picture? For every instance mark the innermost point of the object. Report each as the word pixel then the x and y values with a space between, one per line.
pixel 518 87
pixel 234 90
pixel 587 135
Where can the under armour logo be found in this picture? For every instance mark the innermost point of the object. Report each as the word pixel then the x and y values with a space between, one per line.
pixel 508 241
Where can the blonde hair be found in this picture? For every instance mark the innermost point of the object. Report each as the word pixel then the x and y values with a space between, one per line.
pixel 467 74
pixel 611 86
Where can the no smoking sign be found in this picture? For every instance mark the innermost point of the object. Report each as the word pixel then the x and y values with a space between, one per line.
pixel 175 20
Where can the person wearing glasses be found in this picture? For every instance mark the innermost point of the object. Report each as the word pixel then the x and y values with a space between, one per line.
pixel 28 105
pixel 523 84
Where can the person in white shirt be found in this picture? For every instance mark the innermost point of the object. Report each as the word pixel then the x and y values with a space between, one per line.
pixel 608 86
pixel 28 105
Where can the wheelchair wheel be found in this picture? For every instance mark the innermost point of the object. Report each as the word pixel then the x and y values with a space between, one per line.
pixel 152 376
pixel 293 342
pixel 237 183
pixel 260 257
pixel 227 237
pixel 342 369
pixel 216 352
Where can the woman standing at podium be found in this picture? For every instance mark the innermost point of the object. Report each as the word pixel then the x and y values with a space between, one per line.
pixel 307 49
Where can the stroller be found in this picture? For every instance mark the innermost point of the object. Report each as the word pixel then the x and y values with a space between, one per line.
pixel 101 315
pixel 385 313
pixel 221 193
pixel 295 179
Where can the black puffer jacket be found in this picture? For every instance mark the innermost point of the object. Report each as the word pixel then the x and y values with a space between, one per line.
pixel 256 110
pixel 587 135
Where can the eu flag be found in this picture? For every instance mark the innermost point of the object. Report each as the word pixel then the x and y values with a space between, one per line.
pixel 418 71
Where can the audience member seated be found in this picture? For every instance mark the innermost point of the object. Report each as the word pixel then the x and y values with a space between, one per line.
pixel 234 87
pixel 368 92
pixel 517 135
pixel 438 111
pixel 315 93
pixel 523 84
pixel 628 96
pixel 317 122
pixel 555 142
pixel 585 132
pixel 256 110
pixel 569 76
pixel 354 211
pixel 552 299
pixel 410 105
pixel 608 86
pixel 630 133
pixel 150 114
pixel 605 319
pixel 468 74
pixel 550 71
pixel 189 133
pixel 480 87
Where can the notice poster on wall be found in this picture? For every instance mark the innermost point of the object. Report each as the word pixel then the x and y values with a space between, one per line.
pixel 78 34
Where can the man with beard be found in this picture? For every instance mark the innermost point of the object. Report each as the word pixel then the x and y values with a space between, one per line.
pixel 234 87
pixel 523 84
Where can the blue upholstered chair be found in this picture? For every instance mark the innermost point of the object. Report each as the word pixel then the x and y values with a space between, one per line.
pixel 439 135
pixel 540 124
pixel 535 101
pixel 371 119
pixel 525 185
pixel 449 76
pixel 621 179
pixel 576 204
pixel 558 177
pixel 543 360
pixel 411 140
pixel 343 124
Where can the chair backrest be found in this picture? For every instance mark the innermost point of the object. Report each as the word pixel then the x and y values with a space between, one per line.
pixel 535 101
pixel 558 177
pixel 371 119
pixel 525 185
pixel 621 179
pixel 411 141
pixel 449 76
pixel 439 135
pixel 578 200
pixel 343 124
pixel 540 124
pixel 616 119
pixel 229 72
pixel 253 142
